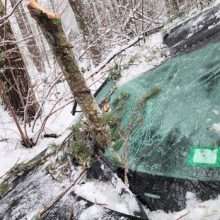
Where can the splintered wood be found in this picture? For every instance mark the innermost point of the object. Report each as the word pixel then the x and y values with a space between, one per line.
pixel 32 4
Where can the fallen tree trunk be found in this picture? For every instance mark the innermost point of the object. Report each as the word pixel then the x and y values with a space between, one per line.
pixel 51 27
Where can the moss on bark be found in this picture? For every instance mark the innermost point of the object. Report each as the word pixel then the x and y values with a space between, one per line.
pixel 53 31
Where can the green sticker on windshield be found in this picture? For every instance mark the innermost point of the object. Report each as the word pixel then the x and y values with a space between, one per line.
pixel 204 156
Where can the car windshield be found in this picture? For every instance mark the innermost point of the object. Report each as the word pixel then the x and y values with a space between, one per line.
pixel 171 117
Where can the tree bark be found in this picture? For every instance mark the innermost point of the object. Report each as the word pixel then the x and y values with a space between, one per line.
pixel 26 31
pixel 172 6
pixel 51 27
pixel 86 21
pixel 13 73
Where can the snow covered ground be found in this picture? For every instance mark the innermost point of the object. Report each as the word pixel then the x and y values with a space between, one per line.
pixel 143 57
pixel 56 102
pixel 195 210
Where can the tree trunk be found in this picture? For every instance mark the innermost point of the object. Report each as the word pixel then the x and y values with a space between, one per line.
pixel 52 29
pixel 172 6
pixel 26 31
pixel 13 73
pixel 86 21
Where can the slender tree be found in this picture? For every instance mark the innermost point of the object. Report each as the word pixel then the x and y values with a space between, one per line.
pixel 13 74
pixel 172 6
pixel 26 31
pixel 51 27
pixel 87 23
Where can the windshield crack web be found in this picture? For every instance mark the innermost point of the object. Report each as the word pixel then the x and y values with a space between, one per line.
pixel 167 111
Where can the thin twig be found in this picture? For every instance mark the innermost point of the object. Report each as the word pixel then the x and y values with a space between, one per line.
pixel 60 196
pixel 122 49
pixel 183 216
pixel 10 14
pixel 41 106
pixel 70 217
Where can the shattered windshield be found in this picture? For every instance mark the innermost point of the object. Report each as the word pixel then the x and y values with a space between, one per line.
pixel 170 117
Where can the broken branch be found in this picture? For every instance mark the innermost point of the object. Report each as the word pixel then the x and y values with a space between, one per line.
pixel 32 4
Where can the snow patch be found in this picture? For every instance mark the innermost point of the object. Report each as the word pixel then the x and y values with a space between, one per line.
pixel 216 2
pixel 39 191
pixel 11 150
pixel 216 127
pixel 107 196
pixel 145 58
pixel 216 112
pixel 93 212
pixel 208 210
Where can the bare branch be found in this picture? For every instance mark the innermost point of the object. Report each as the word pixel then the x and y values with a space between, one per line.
pixel 11 13
pixel 130 44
